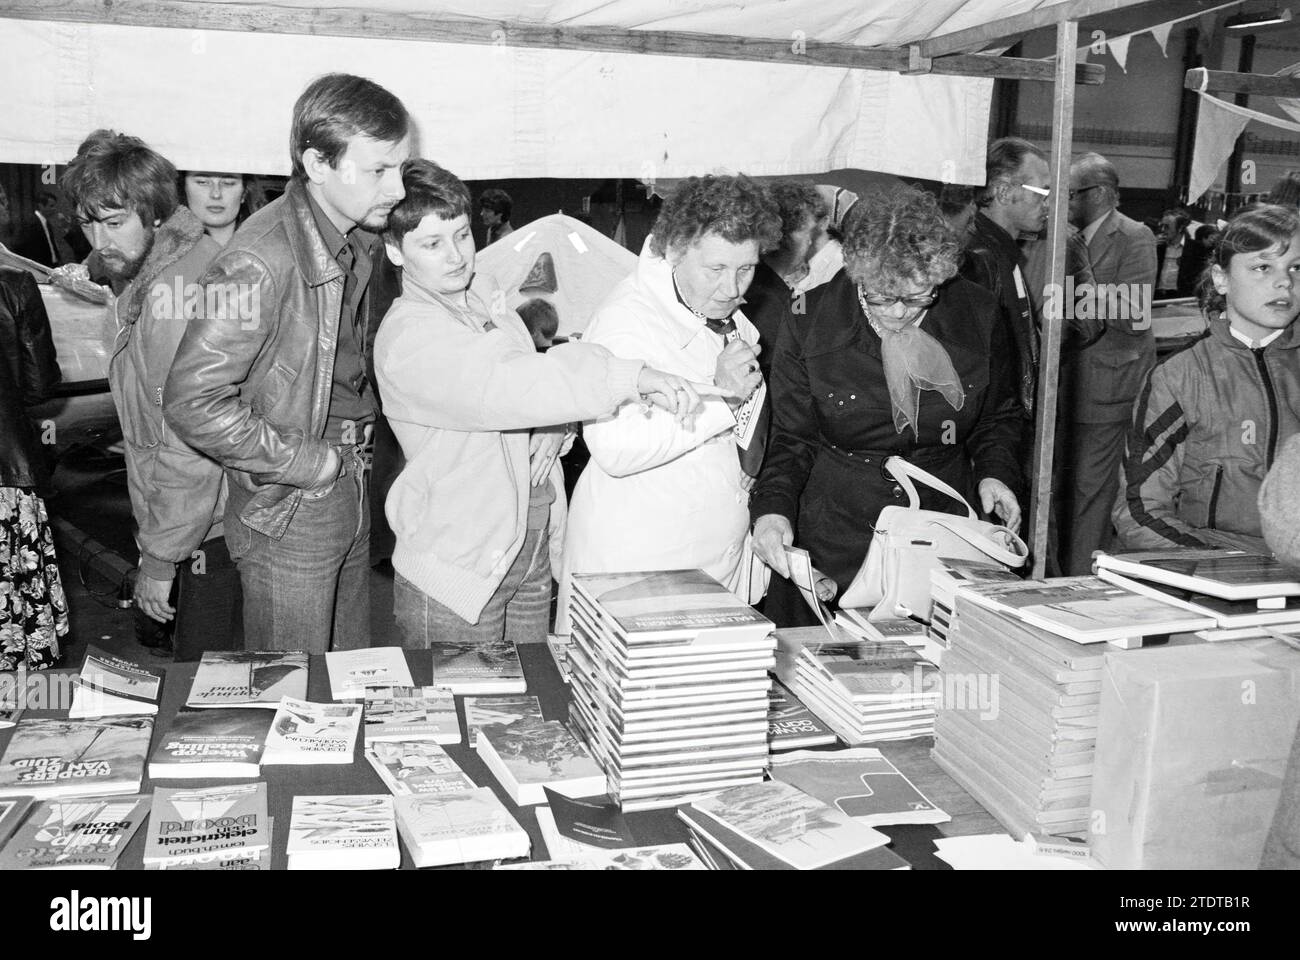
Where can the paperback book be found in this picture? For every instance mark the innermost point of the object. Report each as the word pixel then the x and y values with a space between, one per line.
pixel 1227 614
pixel 528 755
pixel 12 812
pixel 312 733
pixel 252 678
pixel 467 827
pixel 195 822
pixel 416 768
pixel 46 759
pixel 215 744
pixel 671 604
pixel 74 834
pixel 109 686
pixel 351 671
pixel 477 668
pixel 861 783
pixel 410 713
pixel 480 711
pixel 347 832
pixel 667 856
pixel 1229 574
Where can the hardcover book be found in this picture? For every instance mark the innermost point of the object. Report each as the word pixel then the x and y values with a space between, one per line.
pixel 477 668
pixel 466 827
pixel 484 710
pixel 211 743
pixel 109 686
pixel 1229 574
pixel 410 713
pixel 195 822
pixel 416 768
pixel 528 755
pixel 252 678
pixel 74 834
pixel 349 832
pixel 71 758
pixel 861 783
pixel 671 603
pixel 351 671
pixel 312 733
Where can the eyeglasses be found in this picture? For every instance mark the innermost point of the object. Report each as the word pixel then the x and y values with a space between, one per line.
pixel 1041 191
pixel 876 300
pixel 1075 193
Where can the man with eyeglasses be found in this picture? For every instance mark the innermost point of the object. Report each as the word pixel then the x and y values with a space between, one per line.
pixel 1100 384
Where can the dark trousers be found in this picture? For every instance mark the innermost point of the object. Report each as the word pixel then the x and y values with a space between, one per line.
pixel 209 604
pixel 1090 483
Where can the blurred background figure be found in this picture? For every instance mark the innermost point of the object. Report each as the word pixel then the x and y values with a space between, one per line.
pixel 542 321
pixel 219 200
pixel 957 204
pixel 494 208
pixel 34 236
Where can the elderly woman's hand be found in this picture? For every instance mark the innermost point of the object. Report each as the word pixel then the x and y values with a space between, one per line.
pixel 675 394
pixel 737 369
pixel 996 498
pixel 772 534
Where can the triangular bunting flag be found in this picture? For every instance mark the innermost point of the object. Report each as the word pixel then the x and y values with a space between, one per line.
pixel 1217 131
pixel 1161 33
pixel 1119 50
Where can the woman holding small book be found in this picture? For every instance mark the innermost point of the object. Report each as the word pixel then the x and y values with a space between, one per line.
pixel 1212 417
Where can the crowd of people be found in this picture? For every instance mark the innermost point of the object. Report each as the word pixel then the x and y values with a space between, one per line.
pixel 738 392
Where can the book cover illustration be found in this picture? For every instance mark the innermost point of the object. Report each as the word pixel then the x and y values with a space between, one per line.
pixel 536 751
pixel 409 713
pixel 788 823
pixel 667 600
pixel 416 768
pixel 248 678
pixel 1228 567
pixel 12 812
pixel 342 822
pixel 591 822
pixel 460 828
pixel 75 757
pixel 351 671
pixel 313 732
pixel 861 783
pixel 186 822
pixel 111 685
pixel 480 711
pixel 789 721
pixel 198 737
pixel 453 661
pixel 75 834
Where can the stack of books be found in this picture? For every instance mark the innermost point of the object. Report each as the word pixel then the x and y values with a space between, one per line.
pixel 1019 728
pixel 944 580
pixel 669 684
pixel 863 691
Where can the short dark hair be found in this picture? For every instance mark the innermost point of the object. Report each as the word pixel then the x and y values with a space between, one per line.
pixel 429 189
pixel 46 199
pixel 737 209
pixel 539 316
pixel 796 201
pixel 1004 158
pixel 1287 190
pixel 954 198
pixel 338 106
pixel 1259 227
pixel 113 171
pixel 498 201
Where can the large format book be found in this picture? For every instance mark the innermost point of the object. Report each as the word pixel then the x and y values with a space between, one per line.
pixel 312 733
pixel 74 834
pixel 1229 574
pixel 248 678
pixel 215 744
pixel 480 711
pixel 785 823
pixel 75 758
pixel 351 671
pixel 477 668
pixel 791 725
pixel 856 622
pixel 1084 609
pixel 416 768
pixel 466 827
pixel 860 783
pixel 528 755
pixel 348 832
pixel 410 713
pixel 109 686
pixel 195 822
pixel 1227 614
pixel 724 849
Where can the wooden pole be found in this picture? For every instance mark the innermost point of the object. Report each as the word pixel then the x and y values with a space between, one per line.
pixel 1067 36
pixel 1222 81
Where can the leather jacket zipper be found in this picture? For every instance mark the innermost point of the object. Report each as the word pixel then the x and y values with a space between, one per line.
pixel 1271 394
pixel 1214 497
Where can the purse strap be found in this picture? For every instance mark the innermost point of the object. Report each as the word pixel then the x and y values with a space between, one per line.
pixel 985 545
pixel 905 472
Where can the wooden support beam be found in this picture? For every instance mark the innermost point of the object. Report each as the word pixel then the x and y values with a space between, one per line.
pixel 1010 28
pixel 1224 81
pixel 1053 321
pixel 378 24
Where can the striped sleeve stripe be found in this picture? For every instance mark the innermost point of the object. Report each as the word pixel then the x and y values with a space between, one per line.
pixel 1143 463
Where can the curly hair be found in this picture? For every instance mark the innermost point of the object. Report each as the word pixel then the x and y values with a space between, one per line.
pixel 737 209
pixel 797 200
pixel 1264 226
pixel 899 239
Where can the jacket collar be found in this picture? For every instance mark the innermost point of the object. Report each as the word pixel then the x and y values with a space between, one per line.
pixel 654 276
pixel 175 238
pixel 1290 339
pixel 990 232
pixel 315 260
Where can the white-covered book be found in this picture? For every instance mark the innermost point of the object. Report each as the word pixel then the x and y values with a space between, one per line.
pixel 312 733
pixel 343 832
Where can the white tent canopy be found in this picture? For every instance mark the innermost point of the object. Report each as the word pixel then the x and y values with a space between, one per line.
pixel 221 98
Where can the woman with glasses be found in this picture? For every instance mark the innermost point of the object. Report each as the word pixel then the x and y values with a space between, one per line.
pixel 897 356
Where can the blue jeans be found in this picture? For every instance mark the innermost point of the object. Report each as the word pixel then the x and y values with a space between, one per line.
pixel 309 590
pixel 519 610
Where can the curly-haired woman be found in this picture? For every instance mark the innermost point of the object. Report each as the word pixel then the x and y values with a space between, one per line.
pixel 659 494
pixel 897 356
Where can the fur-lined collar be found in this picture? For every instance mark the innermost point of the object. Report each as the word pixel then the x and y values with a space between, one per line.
pixel 171 241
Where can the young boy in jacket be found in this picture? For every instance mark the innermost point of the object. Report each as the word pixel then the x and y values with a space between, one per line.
pixel 480 417
pixel 1212 417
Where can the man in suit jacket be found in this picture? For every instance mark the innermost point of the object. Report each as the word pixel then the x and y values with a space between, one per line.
pixel 34 238
pixel 1100 384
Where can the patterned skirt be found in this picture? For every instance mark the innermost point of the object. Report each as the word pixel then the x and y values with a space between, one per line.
pixel 33 609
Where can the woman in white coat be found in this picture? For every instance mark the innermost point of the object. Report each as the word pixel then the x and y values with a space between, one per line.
pixel 659 494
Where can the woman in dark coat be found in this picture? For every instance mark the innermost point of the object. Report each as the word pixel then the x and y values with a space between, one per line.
pixel 895 356
pixel 33 611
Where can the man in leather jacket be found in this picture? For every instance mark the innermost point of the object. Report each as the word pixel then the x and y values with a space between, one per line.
pixel 275 387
